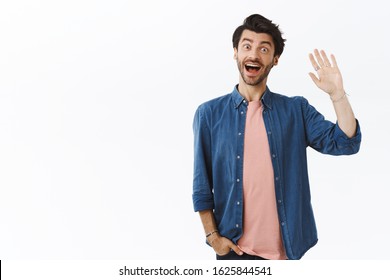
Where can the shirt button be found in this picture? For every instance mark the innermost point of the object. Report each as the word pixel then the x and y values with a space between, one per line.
pixel 277 178
pixel 273 155
pixel 279 201
pixel 242 112
pixel 282 223
pixel 237 226
pixel 239 133
pixel 238 203
pixel 238 180
pixel 238 157
pixel 269 132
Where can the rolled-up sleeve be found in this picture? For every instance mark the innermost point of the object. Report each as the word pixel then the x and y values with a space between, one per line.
pixel 351 145
pixel 327 137
pixel 202 181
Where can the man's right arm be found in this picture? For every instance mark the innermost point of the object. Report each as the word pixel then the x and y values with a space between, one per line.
pixel 202 192
pixel 220 244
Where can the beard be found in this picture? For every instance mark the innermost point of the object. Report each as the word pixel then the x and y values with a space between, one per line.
pixel 254 81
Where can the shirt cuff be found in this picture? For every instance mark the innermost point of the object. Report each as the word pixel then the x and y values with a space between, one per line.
pixel 202 202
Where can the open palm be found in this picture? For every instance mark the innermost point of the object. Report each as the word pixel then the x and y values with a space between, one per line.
pixel 329 78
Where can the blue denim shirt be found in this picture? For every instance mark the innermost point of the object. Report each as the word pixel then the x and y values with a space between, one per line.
pixel 292 125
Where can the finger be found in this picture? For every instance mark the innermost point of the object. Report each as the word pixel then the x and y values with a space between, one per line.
pixel 314 78
pixel 235 248
pixel 333 58
pixel 314 62
pixel 325 58
pixel 319 58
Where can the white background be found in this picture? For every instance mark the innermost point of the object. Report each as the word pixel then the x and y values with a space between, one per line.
pixel 96 107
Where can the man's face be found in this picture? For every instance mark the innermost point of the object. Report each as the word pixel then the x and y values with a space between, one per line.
pixel 255 57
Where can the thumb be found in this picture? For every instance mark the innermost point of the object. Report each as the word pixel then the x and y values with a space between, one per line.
pixel 314 78
pixel 235 248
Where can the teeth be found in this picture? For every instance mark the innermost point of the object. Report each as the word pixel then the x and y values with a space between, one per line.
pixel 252 65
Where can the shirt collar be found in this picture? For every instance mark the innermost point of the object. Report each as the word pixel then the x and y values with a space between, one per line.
pixel 238 99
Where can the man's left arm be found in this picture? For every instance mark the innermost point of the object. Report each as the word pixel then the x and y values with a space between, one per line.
pixel 329 79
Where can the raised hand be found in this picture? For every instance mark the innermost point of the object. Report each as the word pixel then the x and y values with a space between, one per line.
pixel 328 76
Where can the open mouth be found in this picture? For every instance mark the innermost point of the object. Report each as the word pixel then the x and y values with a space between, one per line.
pixel 252 68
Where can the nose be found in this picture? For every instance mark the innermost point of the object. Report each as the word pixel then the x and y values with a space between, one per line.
pixel 254 55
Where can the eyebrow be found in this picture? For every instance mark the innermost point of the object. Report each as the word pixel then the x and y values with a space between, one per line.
pixel 261 43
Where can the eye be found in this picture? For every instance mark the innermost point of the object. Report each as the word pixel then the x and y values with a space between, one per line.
pixel 246 47
pixel 264 50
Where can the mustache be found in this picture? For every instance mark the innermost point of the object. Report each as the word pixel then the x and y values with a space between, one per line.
pixel 253 61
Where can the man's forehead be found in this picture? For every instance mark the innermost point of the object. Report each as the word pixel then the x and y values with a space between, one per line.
pixel 251 36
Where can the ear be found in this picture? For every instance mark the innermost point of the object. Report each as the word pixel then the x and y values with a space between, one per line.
pixel 276 60
pixel 235 54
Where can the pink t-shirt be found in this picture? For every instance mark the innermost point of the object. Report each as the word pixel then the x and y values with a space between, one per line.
pixel 261 231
